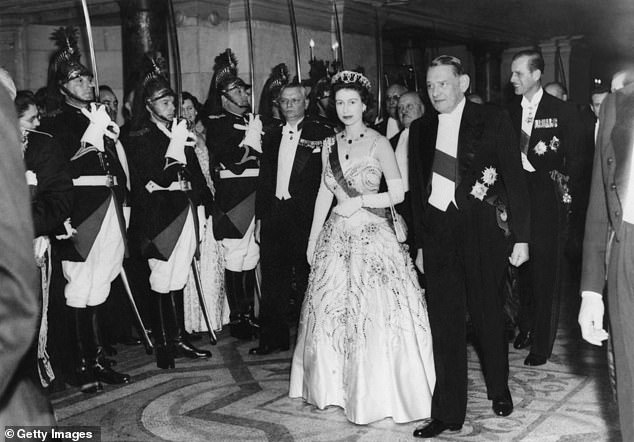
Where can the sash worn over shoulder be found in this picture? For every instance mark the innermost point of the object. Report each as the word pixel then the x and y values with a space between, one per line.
pixel 337 172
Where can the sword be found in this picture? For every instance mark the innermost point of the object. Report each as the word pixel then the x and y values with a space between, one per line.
pixel 177 58
pixel 147 343
pixel 93 59
pixel 251 58
pixel 291 12
pixel 203 304
pixel 91 45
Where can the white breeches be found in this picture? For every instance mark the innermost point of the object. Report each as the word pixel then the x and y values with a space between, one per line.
pixel 89 281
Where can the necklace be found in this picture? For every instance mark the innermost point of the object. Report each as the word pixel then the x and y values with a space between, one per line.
pixel 349 142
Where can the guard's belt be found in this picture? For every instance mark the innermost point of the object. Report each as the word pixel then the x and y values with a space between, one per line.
pixel 95 180
pixel 185 186
pixel 248 173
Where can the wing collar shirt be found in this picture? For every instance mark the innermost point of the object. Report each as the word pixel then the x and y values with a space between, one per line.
pixel 443 190
pixel 286 158
pixel 392 128
pixel 529 107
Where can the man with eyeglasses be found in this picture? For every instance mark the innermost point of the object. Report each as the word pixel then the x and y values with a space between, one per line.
pixel 289 179
pixel 234 143
pixel 391 125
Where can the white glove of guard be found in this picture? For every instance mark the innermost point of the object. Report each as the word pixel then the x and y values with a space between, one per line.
pixel 98 127
pixel 253 135
pixel 70 231
pixel 347 207
pixel 40 246
pixel 310 251
pixel 591 318
pixel 181 137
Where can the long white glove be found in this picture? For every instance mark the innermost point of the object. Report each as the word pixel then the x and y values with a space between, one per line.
pixel 180 137
pixel 98 127
pixel 395 194
pixel 322 206
pixel 253 135
pixel 591 318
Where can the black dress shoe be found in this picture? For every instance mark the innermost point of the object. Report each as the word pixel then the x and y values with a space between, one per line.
pixel 503 406
pixel 523 340
pixel 107 375
pixel 267 349
pixel 535 360
pixel 434 428
pixel 183 348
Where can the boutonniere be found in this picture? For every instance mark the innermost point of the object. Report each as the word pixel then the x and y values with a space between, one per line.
pixel 480 188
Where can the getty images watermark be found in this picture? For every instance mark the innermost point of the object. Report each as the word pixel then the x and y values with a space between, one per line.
pixel 57 433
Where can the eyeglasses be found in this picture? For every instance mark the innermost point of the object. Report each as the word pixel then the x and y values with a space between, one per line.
pixel 408 107
pixel 293 101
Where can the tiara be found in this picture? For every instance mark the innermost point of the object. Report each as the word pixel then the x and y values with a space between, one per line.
pixel 351 77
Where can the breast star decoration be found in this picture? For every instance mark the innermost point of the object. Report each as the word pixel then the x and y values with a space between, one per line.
pixel 481 186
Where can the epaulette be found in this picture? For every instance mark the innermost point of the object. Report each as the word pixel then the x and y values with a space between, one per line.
pixel 138 133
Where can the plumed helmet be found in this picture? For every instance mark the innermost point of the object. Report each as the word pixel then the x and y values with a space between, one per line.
pixel 225 78
pixel 155 84
pixel 65 64
pixel 279 78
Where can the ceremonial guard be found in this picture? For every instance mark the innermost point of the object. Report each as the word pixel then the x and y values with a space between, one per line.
pixel 551 141
pixel 93 247
pixel 234 143
pixel 288 184
pixel 51 202
pixel 269 109
pixel 170 196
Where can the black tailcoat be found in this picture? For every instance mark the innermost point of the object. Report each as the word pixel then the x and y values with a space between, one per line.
pixel 557 127
pixel 465 249
pixel 285 225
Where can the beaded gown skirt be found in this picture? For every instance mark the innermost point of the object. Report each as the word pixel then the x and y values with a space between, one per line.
pixel 364 342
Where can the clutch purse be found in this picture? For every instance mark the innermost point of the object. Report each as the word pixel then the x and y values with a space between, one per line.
pixel 399 225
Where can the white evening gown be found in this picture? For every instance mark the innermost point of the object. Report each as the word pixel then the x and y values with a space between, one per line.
pixel 211 271
pixel 364 341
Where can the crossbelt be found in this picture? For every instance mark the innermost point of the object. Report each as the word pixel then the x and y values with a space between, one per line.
pixel 225 173
pixel 95 180
pixel 151 186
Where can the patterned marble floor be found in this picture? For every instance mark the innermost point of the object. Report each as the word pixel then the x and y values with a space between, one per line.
pixel 237 397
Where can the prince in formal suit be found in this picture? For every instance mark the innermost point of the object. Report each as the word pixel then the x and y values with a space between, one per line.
pixel 551 140
pixel 290 173
pixel 609 237
pixel 469 212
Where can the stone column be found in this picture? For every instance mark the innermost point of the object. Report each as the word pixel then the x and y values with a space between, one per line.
pixel 143 29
